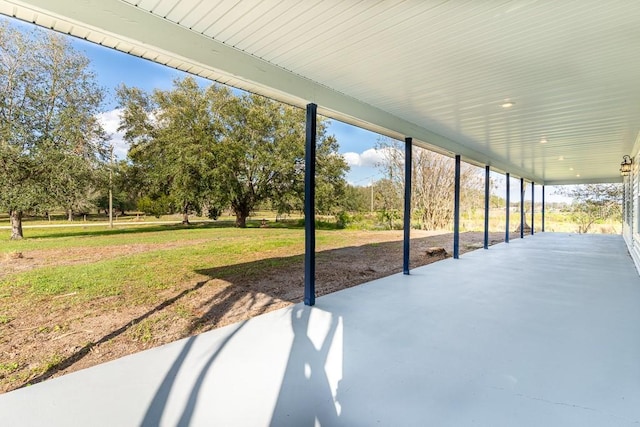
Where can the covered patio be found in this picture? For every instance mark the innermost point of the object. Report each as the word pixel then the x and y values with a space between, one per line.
pixel 538 331
pixel 541 331
pixel 540 91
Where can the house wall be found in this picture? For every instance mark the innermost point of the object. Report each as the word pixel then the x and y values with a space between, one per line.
pixel 631 212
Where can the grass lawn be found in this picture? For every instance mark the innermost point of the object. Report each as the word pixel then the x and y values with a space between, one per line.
pixel 137 261
pixel 75 296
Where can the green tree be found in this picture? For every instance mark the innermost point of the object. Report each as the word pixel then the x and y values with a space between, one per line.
pixel 173 136
pixel 263 146
pixel 388 201
pixel 127 183
pixel 331 187
pixel 79 187
pixel 51 144
pixel 357 199
pixel 210 148
pixel 161 205
pixel 497 201
pixel 593 203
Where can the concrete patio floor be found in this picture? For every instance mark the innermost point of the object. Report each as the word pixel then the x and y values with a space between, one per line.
pixel 543 331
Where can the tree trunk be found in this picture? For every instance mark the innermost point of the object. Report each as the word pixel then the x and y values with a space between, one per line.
pixel 185 215
pixel 16 225
pixel 242 211
pixel 70 215
pixel 241 220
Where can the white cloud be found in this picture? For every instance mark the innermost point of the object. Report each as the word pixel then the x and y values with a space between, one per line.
pixel 352 159
pixel 110 121
pixel 372 157
pixel 368 158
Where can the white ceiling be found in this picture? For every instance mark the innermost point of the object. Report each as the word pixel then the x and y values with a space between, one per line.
pixel 434 70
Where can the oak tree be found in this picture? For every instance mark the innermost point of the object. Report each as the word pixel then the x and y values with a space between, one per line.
pixel 208 147
pixel 51 142
pixel 173 136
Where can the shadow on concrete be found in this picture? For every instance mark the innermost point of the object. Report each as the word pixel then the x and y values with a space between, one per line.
pixel 306 396
pixel 156 409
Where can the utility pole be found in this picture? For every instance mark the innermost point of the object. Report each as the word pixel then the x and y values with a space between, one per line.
pixel 371 195
pixel 110 187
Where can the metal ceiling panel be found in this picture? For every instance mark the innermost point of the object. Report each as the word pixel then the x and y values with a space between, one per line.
pixel 438 71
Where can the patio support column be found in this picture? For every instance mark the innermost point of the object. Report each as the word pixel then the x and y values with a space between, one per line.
pixel 407 204
pixel 487 194
pixel 508 201
pixel 456 211
pixel 542 211
pixel 533 209
pixel 522 208
pixel 309 207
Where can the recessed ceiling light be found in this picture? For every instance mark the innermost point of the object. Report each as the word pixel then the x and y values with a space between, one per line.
pixel 570 169
pixel 507 104
pixel 543 140
pixel 561 158
pixel 578 175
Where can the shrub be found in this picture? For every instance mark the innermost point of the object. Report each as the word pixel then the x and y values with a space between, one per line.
pixel 343 219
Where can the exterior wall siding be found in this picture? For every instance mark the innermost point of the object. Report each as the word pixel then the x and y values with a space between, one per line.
pixel 631 212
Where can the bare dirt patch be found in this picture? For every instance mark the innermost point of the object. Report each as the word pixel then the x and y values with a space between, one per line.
pixel 52 336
